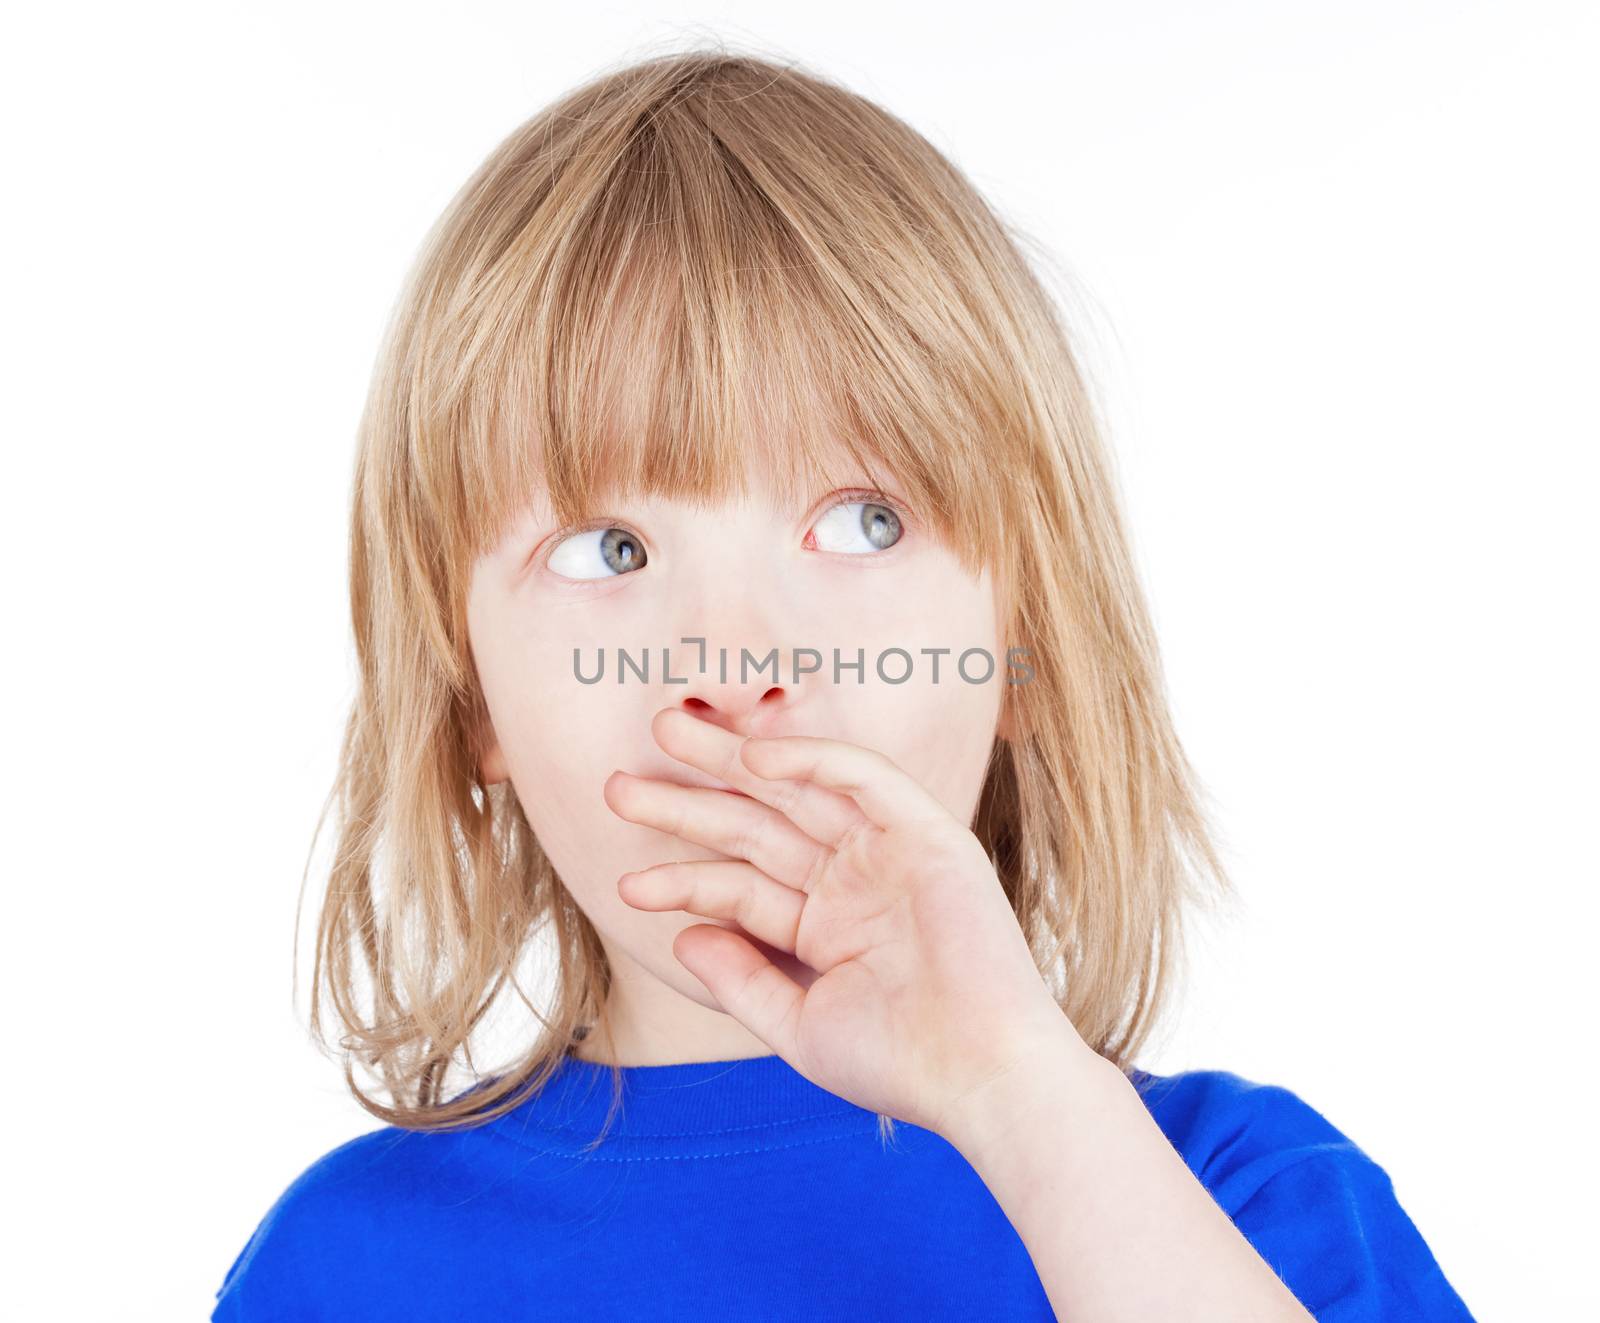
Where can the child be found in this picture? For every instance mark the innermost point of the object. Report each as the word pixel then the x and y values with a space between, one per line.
pixel 744 610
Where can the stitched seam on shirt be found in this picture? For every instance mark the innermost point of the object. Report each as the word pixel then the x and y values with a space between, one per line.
pixel 597 1155
pixel 1343 1151
pixel 697 1134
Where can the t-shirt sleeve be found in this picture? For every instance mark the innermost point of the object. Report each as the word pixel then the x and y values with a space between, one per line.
pixel 323 1241
pixel 1314 1205
pixel 282 1270
pixel 1332 1228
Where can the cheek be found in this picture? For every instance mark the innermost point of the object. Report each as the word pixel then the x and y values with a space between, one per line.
pixel 526 670
pixel 562 740
pixel 940 734
pixel 546 724
pixel 939 726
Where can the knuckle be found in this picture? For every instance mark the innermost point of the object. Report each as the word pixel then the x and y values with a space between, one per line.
pixel 853 834
pixel 788 796
pixel 744 910
pixel 745 838
pixel 819 865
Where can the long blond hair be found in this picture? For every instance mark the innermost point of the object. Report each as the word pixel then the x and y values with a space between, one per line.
pixel 701 267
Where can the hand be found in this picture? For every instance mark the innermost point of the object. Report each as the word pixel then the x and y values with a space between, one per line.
pixel 902 981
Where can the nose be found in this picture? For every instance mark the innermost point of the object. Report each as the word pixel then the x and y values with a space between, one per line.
pixel 739 667
pixel 737 671
pixel 750 700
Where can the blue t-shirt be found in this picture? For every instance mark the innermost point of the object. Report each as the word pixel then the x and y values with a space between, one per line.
pixel 740 1189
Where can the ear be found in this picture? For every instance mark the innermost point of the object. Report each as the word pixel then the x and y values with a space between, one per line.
pixel 1013 722
pixel 1008 725
pixel 492 765
pixel 1007 728
pixel 492 769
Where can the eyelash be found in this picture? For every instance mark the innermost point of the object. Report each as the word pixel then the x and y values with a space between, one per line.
pixel 851 496
pixel 866 496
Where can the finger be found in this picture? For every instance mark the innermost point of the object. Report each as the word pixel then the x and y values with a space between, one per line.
pixel 889 796
pixel 820 813
pixel 737 827
pixel 747 985
pixel 720 889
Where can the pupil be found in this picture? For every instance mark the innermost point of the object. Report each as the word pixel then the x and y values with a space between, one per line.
pixel 620 551
pixel 880 525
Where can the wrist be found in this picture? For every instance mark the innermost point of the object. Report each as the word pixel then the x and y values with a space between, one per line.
pixel 1050 1069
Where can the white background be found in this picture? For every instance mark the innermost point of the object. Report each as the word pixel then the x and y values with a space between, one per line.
pixel 1336 275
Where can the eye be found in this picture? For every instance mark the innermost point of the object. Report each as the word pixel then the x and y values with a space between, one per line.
pixel 856 527
pixel 600 553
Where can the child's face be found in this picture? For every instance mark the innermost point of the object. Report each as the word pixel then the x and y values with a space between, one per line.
pixel 741 576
